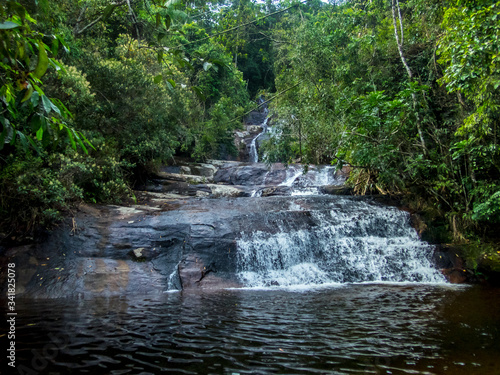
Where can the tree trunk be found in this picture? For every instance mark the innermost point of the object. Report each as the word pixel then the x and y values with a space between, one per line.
pixel 407 67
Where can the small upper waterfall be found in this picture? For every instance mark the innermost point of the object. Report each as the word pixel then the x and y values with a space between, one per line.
pixel 254 156
pixel 347 241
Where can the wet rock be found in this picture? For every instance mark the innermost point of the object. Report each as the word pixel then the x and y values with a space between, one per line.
pixel 448 259
pixel 455 276
pixel 336 190
pixel 190 244
pixel 204 169
pixel 254 129
pixel 252 174
pixel 275 191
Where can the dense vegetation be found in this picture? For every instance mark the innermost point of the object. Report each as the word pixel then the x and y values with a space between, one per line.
pixel 95 93
pixel 405 92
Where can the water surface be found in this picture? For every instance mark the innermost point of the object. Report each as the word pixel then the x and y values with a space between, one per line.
pixel 349 329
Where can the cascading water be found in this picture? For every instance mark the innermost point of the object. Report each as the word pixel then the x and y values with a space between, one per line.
pixel 291 175
pixel 347 241
pixel 254 156
pixel 309 183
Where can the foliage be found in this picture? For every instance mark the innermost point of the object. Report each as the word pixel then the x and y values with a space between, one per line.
pixel 36 189
pixel 347 98
pixel 114 80
pixel 27 115
pixel 470 51
pixel 407 96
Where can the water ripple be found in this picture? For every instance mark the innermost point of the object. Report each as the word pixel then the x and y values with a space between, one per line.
pixel 356 329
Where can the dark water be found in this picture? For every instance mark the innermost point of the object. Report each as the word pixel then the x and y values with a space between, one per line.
pixel 353 329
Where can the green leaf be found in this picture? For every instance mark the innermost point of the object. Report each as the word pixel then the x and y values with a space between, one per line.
pixel 221 63
pixel 158 79
pixel 64 112
pixel 23 140
pixel 33 144
pixel 47 104
pixel 172 82
pixel 43 61
pixel 39 133
pixel 71 138
pixel 61 40
pixel 55 108
pixel 7 132
pixel 37 121
pixel 55 47
pixel 108 11
pixel 28 94
pixel 198 93
pixel 8 25
pixel 79 140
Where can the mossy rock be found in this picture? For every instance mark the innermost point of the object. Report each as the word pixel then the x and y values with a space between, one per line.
pixel 489 266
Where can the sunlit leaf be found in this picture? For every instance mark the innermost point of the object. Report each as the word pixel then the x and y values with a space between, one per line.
pixel 158 79
pixel 39 133
pixel 43 61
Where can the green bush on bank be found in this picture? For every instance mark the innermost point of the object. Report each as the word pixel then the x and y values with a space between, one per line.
pixel 37 189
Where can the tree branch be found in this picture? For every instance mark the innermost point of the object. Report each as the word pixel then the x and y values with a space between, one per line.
pixel 242 25
pixel 77 31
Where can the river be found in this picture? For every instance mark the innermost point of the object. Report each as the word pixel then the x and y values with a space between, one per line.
pixel 348 329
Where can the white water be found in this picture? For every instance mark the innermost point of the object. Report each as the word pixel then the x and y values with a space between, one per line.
pixel 360 242
pixel 292 173
pixel 254 156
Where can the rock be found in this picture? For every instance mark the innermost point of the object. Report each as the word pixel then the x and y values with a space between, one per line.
pixel 185 170
pixel 176 177
pixel 205 170
pixel 192 244
pixel 448 259
pixel 336 190
pixel 489 266
pixel 138 252
pixel 226 191
pixel 202 194
pixel 241 134
pixel 275 191
pixel 455 276
pixel 247 175
pixel 254 129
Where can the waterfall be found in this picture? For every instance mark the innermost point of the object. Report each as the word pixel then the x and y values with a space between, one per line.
pixel 254 156
pixel 292 173
pixel 352 241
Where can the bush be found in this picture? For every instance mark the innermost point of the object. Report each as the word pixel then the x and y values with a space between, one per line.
pixel 37 189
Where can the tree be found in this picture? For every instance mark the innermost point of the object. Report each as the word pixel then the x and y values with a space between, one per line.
pixel 27 115
pixel 470 52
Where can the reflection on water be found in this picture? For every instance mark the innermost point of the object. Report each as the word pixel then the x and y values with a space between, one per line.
pixel 353 329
